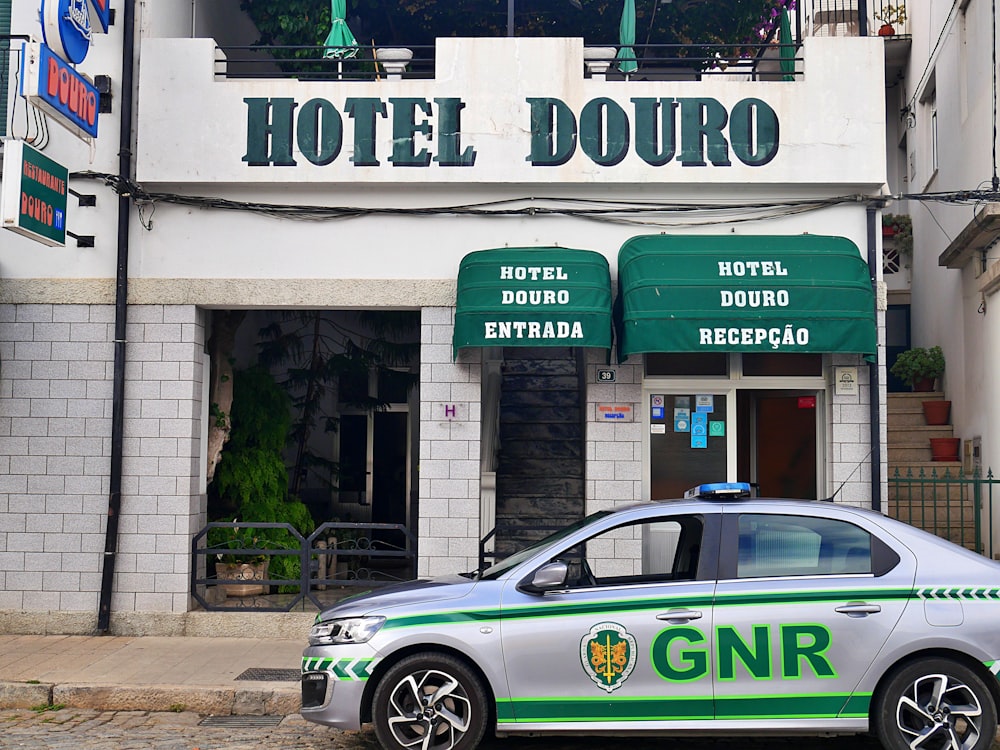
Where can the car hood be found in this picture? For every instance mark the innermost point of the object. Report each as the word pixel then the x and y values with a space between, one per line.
pixel 420 591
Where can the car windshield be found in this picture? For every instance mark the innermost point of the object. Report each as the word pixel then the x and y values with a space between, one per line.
pixel 518 557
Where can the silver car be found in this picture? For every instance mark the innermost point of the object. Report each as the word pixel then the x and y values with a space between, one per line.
pixel 718 613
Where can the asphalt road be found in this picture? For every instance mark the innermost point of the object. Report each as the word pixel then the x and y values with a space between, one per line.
pixel 77 729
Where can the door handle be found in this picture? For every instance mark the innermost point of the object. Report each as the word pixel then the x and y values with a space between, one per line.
pixel 681 615
pixel 858 609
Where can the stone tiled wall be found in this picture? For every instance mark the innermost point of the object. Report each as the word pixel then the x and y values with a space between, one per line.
pixel 450 436
pixel 56 368
pixel 613 450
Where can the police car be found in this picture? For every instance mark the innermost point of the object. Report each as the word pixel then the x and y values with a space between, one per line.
pixel 718 613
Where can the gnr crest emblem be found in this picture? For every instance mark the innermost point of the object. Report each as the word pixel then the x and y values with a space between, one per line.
pixel 608 655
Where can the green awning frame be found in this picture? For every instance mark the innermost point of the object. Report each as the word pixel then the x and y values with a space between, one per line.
pixel 739 293
pixel 533 296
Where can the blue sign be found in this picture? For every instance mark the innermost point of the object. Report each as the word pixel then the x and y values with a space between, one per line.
pixel 66 28
pixel 53 85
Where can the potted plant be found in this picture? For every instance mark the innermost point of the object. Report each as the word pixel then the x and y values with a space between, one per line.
pixel 918 367
pixel 890 15
pixel 899 228
pixel 242 560
pixel 252 481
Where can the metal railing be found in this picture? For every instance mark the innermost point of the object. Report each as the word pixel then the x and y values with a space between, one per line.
pixel 855 17
pixel 655 62
pixel 234 567
pixel 952 505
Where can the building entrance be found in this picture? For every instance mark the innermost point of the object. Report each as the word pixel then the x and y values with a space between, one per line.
pixel 778 452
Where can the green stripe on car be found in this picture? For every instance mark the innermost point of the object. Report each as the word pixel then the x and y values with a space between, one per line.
pixel 617 606
pixel 350 669
pixel 818 706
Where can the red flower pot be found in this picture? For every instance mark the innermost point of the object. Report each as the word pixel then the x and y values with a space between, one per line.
pixel 937 412
pixel 944 449
pixel 886 30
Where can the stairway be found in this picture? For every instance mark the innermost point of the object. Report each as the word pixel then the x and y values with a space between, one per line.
pixel 941 507
pixel 540 468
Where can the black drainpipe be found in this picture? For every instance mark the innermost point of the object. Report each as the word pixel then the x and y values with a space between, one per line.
pixel 121 316
pixel 874 400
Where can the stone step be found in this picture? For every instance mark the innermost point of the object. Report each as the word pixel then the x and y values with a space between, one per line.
pixel 931 469
pixel 901 399
pixel 917 434
pixel 916 454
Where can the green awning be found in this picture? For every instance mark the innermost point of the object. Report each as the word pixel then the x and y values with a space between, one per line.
pixel 537 296
pixel 731 293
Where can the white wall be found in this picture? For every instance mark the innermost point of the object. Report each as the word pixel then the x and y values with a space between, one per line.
pixel 953 49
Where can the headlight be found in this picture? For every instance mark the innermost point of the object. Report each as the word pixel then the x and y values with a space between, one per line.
pixel 347 630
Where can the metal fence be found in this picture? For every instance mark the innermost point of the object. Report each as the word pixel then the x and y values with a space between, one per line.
pixel 952 505
pixel 855 17
pixel 655 62
pixel 271 567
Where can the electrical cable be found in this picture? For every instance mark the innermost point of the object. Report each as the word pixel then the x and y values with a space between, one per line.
pixel 637 212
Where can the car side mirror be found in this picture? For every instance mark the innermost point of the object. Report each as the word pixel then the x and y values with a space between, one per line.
pixel 550 576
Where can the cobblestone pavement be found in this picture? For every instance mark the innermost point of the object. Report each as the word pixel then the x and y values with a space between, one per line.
pixel 76 729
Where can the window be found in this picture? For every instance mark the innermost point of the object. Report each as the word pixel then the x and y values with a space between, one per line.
pixel 928 103
pixel 654 551
pixel 775 545
pixel 701 363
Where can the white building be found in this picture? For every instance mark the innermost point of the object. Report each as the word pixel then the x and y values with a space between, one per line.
pixel 502 200
pixel 946 149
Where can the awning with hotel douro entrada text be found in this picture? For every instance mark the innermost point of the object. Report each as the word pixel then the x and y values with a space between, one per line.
pixel 537 296
pixel 733 293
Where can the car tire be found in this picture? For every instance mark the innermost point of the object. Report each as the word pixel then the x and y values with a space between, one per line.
pixel 941 699
pixel 429 693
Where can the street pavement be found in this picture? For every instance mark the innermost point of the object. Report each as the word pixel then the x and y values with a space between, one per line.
pixel 60 692
pixel 74 729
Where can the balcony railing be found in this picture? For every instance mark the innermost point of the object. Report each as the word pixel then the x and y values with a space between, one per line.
pixel 656 62
pixel 855 17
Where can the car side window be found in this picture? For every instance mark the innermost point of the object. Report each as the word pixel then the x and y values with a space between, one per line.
pixel 651 551
pixel 778 545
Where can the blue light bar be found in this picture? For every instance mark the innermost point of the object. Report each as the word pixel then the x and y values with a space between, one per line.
pixel 719 490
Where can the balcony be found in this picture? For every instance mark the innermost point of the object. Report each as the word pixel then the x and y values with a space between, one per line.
pixel 768 60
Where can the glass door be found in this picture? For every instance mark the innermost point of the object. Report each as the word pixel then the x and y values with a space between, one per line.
pixel 689 439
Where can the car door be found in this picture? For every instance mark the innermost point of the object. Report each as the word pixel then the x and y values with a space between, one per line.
pixel 803 605
pixel 625 646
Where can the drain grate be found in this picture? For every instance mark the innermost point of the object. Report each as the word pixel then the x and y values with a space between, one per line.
pixel 264 674
pixel 241 722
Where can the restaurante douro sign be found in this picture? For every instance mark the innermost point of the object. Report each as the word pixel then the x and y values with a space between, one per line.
pixel 689 131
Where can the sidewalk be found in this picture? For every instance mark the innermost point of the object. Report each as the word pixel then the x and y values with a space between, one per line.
pixel 152 673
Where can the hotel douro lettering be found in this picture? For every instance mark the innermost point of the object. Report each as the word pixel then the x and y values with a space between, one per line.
pixel 691 132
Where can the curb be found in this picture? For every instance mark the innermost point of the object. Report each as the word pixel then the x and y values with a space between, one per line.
pixel 281 701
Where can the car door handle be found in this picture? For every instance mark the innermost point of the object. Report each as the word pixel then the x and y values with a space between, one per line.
pixel 681 615
pixel 858 609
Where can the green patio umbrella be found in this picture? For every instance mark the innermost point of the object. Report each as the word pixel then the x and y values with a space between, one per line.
pixel 626 37
pixel 340 42
pixel 787 53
